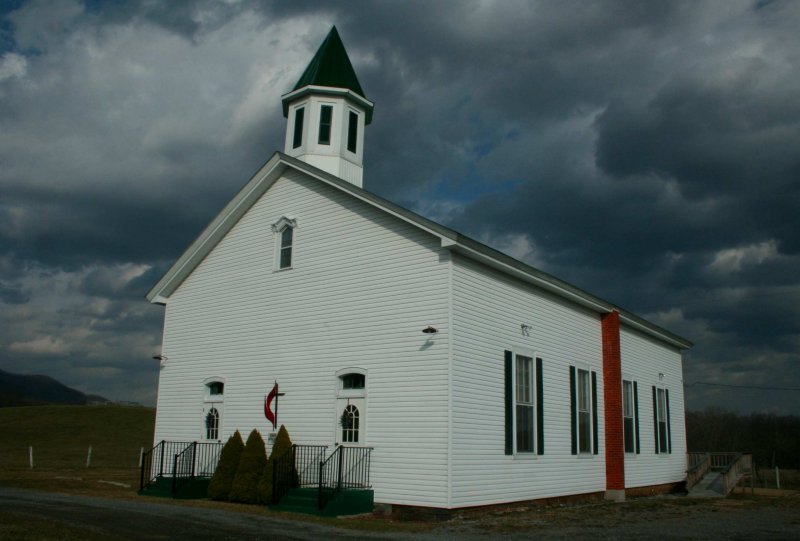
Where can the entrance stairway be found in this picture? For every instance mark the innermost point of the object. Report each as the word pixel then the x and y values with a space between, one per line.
pixel 714 475
pixel 304 481
pixel 346 502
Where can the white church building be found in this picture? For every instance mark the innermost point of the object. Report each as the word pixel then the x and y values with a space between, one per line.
pixel 473 378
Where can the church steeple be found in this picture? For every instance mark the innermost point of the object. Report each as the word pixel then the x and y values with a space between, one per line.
pixel 327 112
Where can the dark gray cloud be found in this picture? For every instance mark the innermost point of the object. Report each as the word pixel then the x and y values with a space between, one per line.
pixel 643 151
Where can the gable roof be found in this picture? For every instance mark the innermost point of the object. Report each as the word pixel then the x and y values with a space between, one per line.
pixel 271 171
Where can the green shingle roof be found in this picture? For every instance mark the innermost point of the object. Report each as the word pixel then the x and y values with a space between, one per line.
pixel 331 67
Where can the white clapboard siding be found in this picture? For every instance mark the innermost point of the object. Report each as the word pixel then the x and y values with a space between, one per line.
pixel 488 310
pixel 362 287
pixel 643 359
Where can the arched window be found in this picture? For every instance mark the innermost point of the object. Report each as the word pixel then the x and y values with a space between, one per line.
pixel 212 424
pixel 216 388
pixel 284 245
pixel 350 422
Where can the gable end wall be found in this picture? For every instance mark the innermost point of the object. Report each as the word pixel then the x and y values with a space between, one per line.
pixel 363 286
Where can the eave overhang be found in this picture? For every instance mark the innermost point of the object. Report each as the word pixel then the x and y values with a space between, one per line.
pixel 346 93
pixel 449 239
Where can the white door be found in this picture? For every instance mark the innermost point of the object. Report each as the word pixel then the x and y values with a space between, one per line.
pixel 350 421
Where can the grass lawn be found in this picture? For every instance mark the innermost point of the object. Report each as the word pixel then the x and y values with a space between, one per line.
pixel 61 436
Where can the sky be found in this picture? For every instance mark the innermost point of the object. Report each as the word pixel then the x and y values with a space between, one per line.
pixel 648 152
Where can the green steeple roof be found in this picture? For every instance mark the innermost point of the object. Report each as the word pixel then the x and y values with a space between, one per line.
pixel 331 67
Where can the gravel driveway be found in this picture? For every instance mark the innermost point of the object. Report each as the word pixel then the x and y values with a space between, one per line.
pixel 148 519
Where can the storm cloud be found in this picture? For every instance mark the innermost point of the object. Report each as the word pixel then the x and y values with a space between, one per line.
pixel 647 152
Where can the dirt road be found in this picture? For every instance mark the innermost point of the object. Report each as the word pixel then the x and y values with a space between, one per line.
pixel 146 519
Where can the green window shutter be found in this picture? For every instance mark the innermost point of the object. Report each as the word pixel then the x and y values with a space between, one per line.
pixel 509 366
pixel 655 418
pixel 669 428
pixel 573 407
pixel 636 415
pixel 596 447
pixel 539 408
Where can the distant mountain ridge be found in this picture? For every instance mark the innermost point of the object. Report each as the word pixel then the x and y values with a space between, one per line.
pixel 22 390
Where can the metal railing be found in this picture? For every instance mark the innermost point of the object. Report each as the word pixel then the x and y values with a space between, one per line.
pixel 157 462
pixel 196 460
pixel 297 467
pixel 179 459
pixel 346 468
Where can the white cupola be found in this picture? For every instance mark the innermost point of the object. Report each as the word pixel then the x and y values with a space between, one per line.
pixel 326 114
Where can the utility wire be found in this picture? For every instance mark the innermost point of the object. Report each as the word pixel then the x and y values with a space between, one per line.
pixel 762 388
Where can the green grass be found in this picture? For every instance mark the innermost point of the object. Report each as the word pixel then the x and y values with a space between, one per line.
pixel 61 436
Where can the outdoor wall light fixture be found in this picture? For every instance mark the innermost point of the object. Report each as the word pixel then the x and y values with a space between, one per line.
pixel 429 330
pixel 661 375
pixel 526 329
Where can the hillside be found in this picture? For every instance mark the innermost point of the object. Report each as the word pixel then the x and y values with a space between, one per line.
pixel 23 390
pixel 61 435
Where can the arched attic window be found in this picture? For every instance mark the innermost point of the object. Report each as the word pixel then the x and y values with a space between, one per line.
pixel 351 382
pixel 284 245
pixel 214 389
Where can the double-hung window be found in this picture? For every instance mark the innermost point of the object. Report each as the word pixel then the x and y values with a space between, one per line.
pixel 583 409
pixel 584 413
pixel 524 402
pixel 663 438
pixel 630 413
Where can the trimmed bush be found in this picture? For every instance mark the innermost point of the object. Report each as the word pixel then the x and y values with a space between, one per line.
pixel 282 445
pixel 220 486
pixel 251 466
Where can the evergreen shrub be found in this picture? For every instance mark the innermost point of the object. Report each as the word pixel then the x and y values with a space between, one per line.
pixel 282 445
pixel 251 466
pixel 220 486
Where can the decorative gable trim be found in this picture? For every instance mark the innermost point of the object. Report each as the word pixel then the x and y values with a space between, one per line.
pixel 283 223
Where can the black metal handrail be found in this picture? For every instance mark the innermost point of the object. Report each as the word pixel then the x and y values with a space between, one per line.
pixel 346 468
pixel 179 460
pixel 157 462
pixel 295 468
pixel 307 458
pixel 183 467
